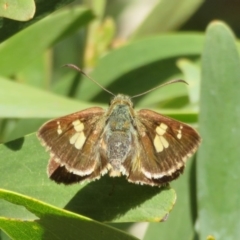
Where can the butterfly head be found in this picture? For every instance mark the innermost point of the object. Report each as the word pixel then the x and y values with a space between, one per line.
pixel 121 99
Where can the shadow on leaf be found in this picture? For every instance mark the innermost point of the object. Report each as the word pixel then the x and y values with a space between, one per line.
pixel 110 198
pixel 15 145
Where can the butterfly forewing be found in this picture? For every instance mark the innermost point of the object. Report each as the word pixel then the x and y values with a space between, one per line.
pixel 165 143
pixel 73 142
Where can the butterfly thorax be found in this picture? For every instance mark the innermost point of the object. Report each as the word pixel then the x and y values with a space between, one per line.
pixel 118 131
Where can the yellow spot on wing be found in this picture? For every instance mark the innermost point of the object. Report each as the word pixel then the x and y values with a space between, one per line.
pixel 163 126
pixel 78 125
pixel 179 135
pixel 78 139
pixel 74 138
pixel 59 130
pixel 160 131
pixel 164 142
pixel 158 144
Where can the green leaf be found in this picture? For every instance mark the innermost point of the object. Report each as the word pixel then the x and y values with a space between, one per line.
pixel 22 101
pixel 67 21
pixel 38 72
pixel 181 220
pixel 53 223
pixel 23 167
pixel 34 103
pixel 192 77
pixel 175 11
pixel 10 27
pixel 218 162
pixel 21 10
pixel 140 65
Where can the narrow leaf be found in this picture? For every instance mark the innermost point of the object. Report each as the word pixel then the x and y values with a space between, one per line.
pixel 218 163
pixel 140 65
pixel 22 101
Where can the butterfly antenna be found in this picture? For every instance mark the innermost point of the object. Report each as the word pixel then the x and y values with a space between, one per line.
pixel 83 73
pixel 162 85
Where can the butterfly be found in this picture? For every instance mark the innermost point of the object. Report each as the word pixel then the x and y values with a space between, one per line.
pixel 144 146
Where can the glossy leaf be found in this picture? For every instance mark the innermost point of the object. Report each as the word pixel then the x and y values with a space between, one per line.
pixel 218 163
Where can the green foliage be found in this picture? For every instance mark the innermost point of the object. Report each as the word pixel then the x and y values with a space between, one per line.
pixel 218 164
pixel 53 223
pixel 18 10
pixel 34 88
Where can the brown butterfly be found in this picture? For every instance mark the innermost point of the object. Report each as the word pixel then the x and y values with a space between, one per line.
pixel 145 146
